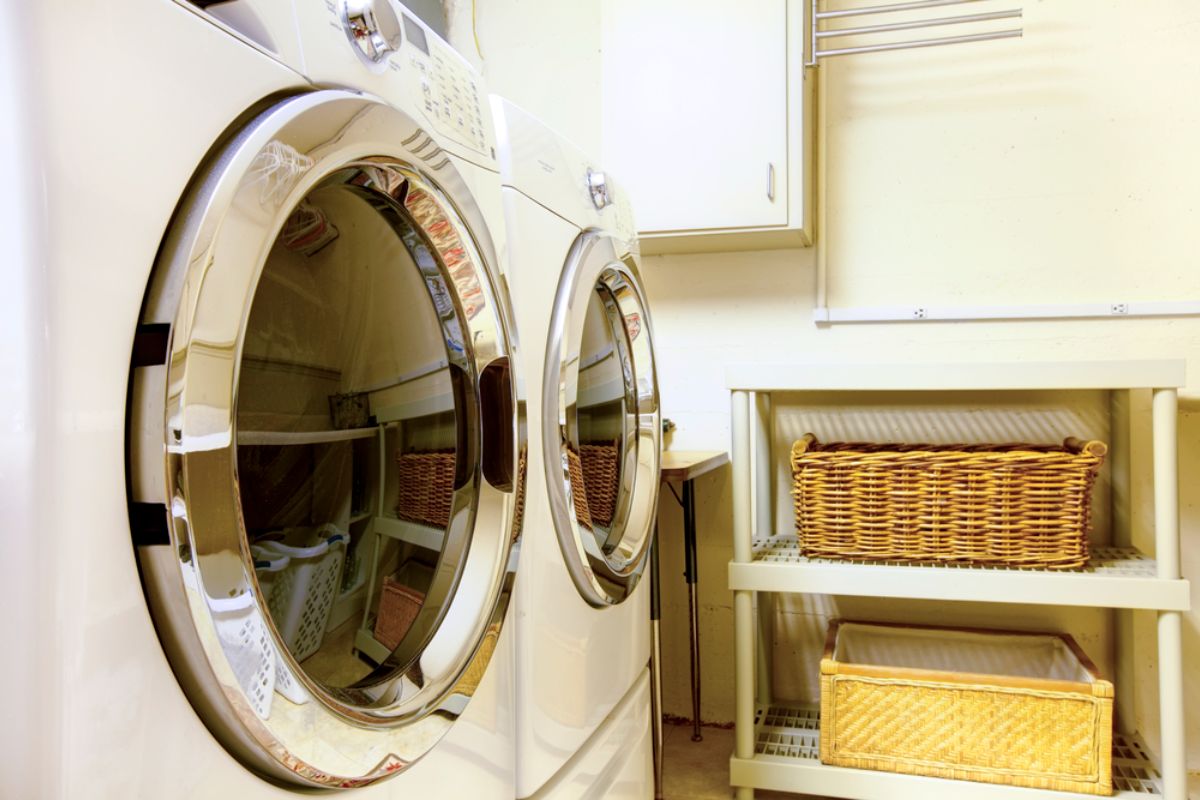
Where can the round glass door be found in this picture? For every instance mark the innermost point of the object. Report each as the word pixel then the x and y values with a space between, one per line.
pixel 602 421
pixel 341 441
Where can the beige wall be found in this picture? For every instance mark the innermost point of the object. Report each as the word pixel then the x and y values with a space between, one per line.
pixel 1062 167
pixel 544 55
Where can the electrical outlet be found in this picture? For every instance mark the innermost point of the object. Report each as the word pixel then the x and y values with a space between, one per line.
pixel 918 313
pixel 1119 308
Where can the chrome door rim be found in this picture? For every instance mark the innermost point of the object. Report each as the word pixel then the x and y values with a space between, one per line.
pixel 597 259
pixel 215 252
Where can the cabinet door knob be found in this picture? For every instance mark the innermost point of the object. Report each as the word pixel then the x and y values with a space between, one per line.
pixel 771 182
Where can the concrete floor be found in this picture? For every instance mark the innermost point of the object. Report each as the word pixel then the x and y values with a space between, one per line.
pixel 700 770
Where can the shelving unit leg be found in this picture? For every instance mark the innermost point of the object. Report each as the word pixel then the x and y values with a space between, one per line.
pixel 743 601
pixel 766 644
pixel 1166 482
pixel 764 509
pixel 376 539
pixel 743 627
pixel 764 466
pixel 1165 409
pixel 1170 698
pixel 1120 479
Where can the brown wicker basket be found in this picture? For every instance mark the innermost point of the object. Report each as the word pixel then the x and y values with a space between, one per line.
pixel 1018 709
pixel 601 477
pixel 399 605
pixel 426 482
pixel 578 490
pixel 1002 504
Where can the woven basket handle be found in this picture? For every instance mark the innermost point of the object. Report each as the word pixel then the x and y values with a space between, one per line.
pixel 1092 448
pixel 801 445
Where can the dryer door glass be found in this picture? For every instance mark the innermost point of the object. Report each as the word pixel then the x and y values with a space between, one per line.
pixel 356 428
pixel 338 443
pixel 602 420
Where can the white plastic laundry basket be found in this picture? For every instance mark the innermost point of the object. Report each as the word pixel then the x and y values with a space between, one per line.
pixel 302 593
pixel 247 643
pixel 269 565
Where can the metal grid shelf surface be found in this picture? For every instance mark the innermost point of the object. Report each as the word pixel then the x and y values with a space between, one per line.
pixel 787 757
pixel 1114 578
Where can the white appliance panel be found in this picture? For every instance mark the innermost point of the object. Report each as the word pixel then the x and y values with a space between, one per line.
pixel 107 717
pixel 617 762
pixel 575 662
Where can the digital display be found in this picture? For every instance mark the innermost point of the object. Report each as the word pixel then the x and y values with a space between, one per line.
pixel 416 34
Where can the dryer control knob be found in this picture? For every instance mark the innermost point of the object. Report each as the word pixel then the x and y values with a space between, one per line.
pixel 598 188
pixel 374 29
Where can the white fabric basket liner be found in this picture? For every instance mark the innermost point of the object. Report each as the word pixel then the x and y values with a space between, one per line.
pixel 1017 655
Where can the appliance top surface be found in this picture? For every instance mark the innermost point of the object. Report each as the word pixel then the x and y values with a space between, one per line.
pixel 551 170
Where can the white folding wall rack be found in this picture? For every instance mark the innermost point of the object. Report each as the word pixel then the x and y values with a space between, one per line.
pixel 776 745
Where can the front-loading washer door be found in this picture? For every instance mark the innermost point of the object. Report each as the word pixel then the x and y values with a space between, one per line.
pixel 602 428
pixel 325 443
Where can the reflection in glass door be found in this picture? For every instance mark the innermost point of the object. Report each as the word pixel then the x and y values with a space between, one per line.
pixel 350 395
pixel 602 434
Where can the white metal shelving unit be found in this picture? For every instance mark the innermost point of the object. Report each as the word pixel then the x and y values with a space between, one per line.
pixel 776 745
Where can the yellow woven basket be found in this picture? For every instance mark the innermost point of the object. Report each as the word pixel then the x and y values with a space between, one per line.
pixel 1012 708
pixel 1003 504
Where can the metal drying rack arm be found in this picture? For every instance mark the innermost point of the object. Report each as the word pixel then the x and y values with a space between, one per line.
pixel 818 34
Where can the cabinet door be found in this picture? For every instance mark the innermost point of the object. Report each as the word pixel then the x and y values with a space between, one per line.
pixel 695 111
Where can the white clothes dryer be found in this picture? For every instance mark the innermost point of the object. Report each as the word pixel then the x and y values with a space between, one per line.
pixel 265 445
pixel 583 631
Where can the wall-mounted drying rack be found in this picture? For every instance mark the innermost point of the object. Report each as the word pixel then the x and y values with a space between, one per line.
pixel 822 34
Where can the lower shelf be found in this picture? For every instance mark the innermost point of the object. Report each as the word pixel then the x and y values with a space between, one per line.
pixel 1113 578
pixel 427 536
pixel 787 759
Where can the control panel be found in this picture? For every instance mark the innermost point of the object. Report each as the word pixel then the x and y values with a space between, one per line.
pixel 405 57
pixel 452 99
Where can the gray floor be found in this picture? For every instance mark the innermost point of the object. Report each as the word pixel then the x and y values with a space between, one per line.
pixel 700 770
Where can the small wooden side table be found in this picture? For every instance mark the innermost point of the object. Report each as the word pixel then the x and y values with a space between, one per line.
pixel 684 466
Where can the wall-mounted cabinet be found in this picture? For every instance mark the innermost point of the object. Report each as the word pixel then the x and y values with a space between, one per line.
pixel 706 117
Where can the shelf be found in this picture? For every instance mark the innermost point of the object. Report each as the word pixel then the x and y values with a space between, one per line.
pixel 787 759
pixel 416 408
pixel 957 377
pixel 303 437
pixel 360 516
pixel 426 536
pixel 1114 578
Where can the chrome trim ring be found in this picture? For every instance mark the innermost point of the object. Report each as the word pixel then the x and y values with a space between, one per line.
pixel 203 285
pixel 604 564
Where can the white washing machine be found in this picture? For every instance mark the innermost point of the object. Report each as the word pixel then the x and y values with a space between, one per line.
pixel 263 451
pixel 583 631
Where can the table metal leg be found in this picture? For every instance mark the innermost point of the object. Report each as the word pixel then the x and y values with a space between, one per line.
pixel 656 669
pixel 689 542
